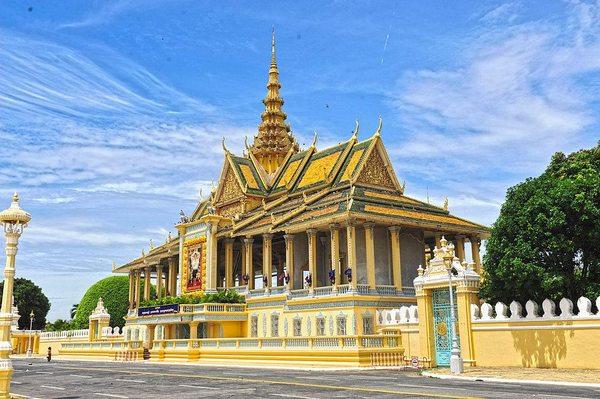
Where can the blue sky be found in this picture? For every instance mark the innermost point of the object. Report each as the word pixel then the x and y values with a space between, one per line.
pixel 111 112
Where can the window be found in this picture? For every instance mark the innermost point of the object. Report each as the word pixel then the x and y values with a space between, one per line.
pixel 274 325
pixel 367 325
pixel 320 326
pixel 297 327
pixel 341 325
pixel 254 326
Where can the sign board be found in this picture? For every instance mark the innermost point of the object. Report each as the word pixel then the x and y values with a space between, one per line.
pixel 414 361
pixel 158 310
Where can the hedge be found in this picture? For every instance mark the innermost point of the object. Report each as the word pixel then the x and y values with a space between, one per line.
pixel 114 291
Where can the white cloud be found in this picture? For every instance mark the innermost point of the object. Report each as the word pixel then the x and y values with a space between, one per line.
pixel 515 97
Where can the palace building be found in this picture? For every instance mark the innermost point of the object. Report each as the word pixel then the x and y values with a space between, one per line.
pixel 317 240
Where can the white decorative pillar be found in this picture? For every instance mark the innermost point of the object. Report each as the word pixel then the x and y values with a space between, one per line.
pixel 13 220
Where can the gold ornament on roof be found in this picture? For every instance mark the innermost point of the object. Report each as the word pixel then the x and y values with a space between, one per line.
pixel 274 140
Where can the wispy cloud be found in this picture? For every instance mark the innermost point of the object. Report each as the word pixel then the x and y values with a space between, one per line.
pixel 515 98
pixel 103 13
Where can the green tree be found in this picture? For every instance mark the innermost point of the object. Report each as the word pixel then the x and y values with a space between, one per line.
pixel 546 241
pixel 74 310
pixel 114 291
pixel 28 297
pixel 59 325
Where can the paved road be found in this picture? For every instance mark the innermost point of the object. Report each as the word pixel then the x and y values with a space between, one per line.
pixel 77 379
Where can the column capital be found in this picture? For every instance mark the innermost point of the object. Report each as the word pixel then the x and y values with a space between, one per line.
pixel 288 237
pixel 159 267
pixel 267 236
pixel 396 229
pixel 460 236
pixel 229 240
pixel 475 239
pixel 334 226
pixel 248 240
pixel 311 232
pixel 369 225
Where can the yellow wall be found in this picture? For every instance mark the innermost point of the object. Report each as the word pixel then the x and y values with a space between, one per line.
pixel 328 308
pixel 538 343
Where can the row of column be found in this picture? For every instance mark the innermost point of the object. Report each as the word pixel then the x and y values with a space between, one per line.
pixel 248 267
pixel 267 267
pixel 166 279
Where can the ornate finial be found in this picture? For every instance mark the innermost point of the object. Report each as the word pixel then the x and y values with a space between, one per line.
pixel 274 139
pixel 114 265
pixel 356 128
pixel 420 270
pixel 443 242
pixel 169 237
pixel 314 142
pixel 379 126
pixel 15 197
pixel 273 59
pixel 223 145
pixel 446 204
pixel 151 244
pixel 143 253
pixel 403 186
pixel 246 143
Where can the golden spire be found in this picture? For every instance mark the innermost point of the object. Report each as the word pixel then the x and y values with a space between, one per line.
pixel 274 140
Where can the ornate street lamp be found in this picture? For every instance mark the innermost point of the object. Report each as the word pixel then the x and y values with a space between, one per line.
pixel 31 317
pixel 13 220
pixel 456 361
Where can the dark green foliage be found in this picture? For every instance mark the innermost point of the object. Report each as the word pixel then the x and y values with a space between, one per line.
pixel 60 325
pixel 114 291
pixel 28 297
pixel 228 296
pixel 546 241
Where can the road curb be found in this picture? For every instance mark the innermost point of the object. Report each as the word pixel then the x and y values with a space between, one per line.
pixel 510 381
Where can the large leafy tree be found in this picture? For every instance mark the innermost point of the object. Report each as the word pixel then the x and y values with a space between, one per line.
pixel 114 291
pixel 546 241
pixel 28 297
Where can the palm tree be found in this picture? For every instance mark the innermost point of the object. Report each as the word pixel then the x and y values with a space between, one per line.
pixel 74 310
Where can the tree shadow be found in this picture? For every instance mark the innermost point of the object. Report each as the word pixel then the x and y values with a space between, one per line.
pixel 541 348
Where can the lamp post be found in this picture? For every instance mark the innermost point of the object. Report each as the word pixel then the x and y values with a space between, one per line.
pixel 13 220
pixel 456 361
pixel 31 317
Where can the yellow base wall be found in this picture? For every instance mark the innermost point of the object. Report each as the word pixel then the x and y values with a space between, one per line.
pixel 540 343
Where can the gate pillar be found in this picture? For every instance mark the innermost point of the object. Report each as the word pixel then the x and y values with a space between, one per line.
pixel 433 301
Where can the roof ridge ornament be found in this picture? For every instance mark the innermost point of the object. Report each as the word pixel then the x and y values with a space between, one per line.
pixel 223 145
pixel 379 126
pixel 314 142
pixel 356 129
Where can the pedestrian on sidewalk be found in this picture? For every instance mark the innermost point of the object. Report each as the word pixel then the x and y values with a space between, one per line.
pixel 49 355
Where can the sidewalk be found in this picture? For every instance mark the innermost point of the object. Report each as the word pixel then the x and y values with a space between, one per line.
pixel 573 377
